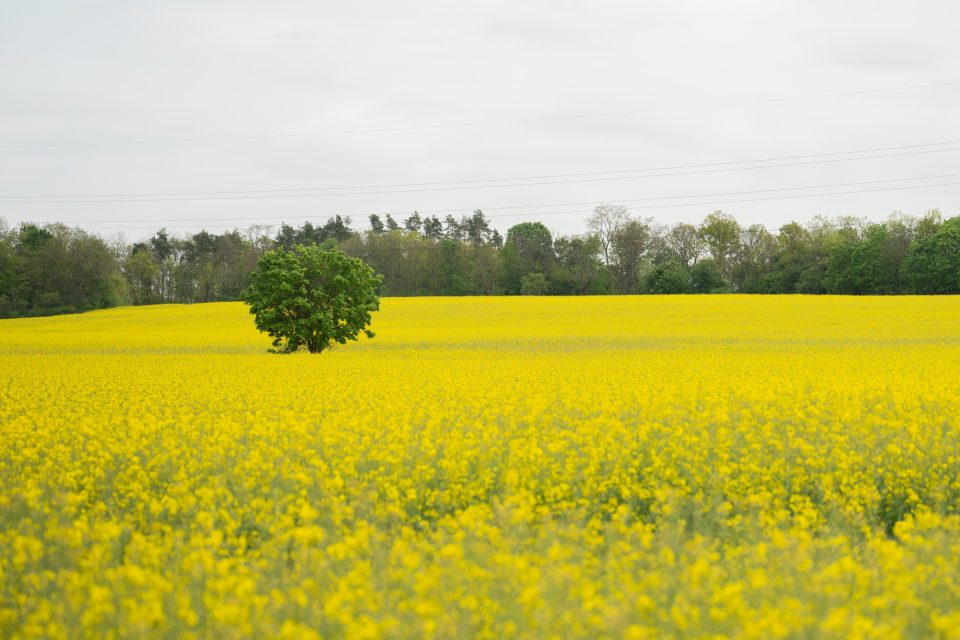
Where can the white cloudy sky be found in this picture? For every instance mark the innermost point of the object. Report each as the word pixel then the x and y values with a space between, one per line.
pixel 109 98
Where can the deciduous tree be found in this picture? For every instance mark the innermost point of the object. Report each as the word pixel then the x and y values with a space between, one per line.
pixel 312 298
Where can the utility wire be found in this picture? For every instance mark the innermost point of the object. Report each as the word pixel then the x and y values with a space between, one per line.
pixel 621 200
pixel 469 187
pixel 685 204
pixel 478 180
pixel 481 123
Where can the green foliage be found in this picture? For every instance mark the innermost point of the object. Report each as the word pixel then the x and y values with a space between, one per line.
pixel 336 229
pixel 863 265
pixel 433 228
pixel 312 298
pixel 141 272
pixel 428 258
pixel 48 269
pixel 793 256
pixel 933 263
pixel 454 278
pixel 528 249
pixel 705 278
pixel 720 233
pixel 629 246
pixel 533 284
pixel 376 224
pixel 56 269
pixel 757 249
pixel 405 259
pixel 671 276
pixel 203 267
pixel 33 237
pixel 578 269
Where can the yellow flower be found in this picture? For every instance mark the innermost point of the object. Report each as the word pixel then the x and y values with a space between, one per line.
pixel 709 466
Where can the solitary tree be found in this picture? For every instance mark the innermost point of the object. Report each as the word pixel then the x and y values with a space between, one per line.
pixel 311 297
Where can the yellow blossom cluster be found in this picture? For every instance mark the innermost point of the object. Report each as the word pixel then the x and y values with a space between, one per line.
pixel 596 467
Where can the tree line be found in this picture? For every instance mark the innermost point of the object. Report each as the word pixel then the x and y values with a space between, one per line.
pixel 54 268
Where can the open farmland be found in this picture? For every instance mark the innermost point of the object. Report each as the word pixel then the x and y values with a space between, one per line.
pixel 490 467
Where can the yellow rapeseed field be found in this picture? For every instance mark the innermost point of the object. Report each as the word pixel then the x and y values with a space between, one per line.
pixel 621 467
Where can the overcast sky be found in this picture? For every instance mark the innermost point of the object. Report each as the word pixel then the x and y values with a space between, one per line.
pixel 109 98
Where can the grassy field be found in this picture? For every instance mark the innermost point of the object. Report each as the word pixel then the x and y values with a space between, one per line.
pixel 635 467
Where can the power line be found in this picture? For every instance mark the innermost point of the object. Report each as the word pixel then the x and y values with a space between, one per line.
pixel 6 200
pixel 733 193
pixel 805 195
pixel 646 199
pixel 482 123
pixel 574 204
pixel 478 180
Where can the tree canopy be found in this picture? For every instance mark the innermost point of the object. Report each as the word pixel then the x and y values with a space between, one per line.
pixel 311 297
pixel 49 269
